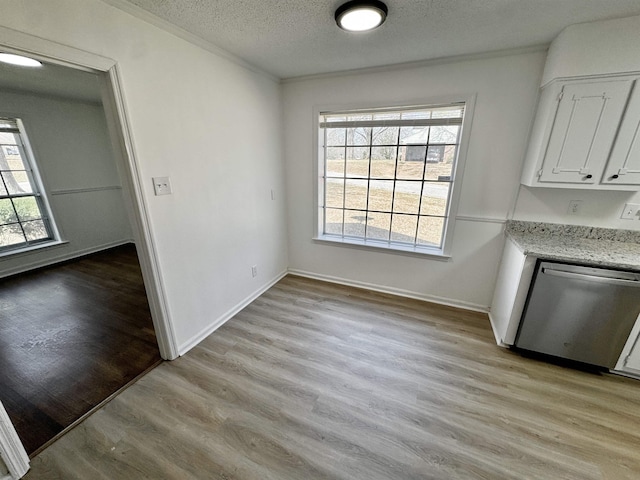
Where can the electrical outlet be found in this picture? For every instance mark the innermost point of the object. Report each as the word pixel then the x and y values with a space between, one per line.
pixel 575 206
pixel 273 194
pixel 254 271
pixel 631 211
pixel 161 186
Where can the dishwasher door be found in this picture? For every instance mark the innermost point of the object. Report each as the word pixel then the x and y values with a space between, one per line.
pixel 580 313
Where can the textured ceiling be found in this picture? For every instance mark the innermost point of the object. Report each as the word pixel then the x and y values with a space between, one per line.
pixel 51 80
pixel 290 38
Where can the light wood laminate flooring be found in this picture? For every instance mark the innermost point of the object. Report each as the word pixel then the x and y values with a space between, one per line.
pixel 320 381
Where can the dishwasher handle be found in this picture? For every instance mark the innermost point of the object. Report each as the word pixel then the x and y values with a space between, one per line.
pixel 591 278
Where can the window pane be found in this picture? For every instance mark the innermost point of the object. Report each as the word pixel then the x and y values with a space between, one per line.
pixel 12 158
pixel 358 136
pixel 448 112
pixel 8 138
pixel 358 162
pixel 7 213
pixel 35 230
pixel 3 190
pixel 335 193
pixel 354 223
pixel 378 225
pixel 416 115
pixel 403 228
pixel 11 235
pixel 336 136
pixel 386 116
pixel 27 208
pixel 380 195
pixel 444 134
pixel 385 135
pixel 434 199
pixel 333 221
pixel 414 135
pixel 412 153
pixel 383 162
pixel 407 197
pixel 410 170
pixel 17 182
pixel 440 163
pixel 335 161
pixel 356 194
pixel 430 231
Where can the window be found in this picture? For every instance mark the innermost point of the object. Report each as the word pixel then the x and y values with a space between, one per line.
pixel 386 176
pixel 23 218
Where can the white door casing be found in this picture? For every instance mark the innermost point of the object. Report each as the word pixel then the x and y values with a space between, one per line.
pixel 13 41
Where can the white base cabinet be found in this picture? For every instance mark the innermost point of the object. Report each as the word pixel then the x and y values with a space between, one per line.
pixel 512 287
pixel 629 361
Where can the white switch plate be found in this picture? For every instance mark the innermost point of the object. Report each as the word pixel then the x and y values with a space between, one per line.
pixel 631 211
pixel 161 186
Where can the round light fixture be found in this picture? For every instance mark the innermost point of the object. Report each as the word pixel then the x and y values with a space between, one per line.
pixel 19 60
pixel 361 15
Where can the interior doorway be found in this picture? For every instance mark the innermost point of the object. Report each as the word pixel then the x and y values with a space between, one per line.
pixel 105 72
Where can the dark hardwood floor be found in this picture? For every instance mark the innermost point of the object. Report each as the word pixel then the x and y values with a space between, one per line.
pixel 318 381
pixel 70 336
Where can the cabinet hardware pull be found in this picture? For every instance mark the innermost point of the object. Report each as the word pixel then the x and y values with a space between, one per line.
pixel 614 176
pixel 589 176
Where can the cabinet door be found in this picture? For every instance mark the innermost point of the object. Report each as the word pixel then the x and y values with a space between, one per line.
pixel 624 164
pixel 583 131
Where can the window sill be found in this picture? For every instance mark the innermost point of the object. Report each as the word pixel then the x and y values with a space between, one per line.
pixel 32 248
pixel 432 253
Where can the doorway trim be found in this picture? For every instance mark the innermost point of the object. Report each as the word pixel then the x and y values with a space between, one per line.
pixel 118 124
pixel 12 452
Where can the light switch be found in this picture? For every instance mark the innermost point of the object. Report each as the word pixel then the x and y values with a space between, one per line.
pixel 161 186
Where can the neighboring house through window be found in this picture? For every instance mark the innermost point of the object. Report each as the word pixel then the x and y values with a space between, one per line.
pixel 388 177
pixel 24 219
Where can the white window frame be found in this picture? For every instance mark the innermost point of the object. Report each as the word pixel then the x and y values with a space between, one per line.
pixel 39 191
pixel 442 253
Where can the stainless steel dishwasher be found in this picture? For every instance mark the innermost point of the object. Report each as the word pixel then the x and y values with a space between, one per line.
pixel 580 313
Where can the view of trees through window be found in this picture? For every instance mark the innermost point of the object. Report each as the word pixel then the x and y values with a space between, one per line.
pixel 22 221
pixel 387 175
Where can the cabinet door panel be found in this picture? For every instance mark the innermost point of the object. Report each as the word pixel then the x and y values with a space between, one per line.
pixel 624 165
pixel 584 128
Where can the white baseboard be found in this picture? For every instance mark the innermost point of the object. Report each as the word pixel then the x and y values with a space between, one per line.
pixel 450 302
pixel 25 267
pixel 197 338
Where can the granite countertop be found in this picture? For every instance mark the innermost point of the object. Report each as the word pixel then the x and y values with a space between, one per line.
pixel 605 247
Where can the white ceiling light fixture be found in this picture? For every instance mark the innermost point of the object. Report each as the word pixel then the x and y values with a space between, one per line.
pixel 361 15
pixel 19 60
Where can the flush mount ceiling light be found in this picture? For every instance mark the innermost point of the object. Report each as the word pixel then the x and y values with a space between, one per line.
pixel 361 15
pixel 19 60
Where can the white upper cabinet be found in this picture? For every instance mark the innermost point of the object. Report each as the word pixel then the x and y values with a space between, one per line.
pixel 624 164
pixel 586 136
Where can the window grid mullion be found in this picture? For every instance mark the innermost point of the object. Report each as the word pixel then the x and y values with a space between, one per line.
pixel 344 184
pixel 395 179
pixel 366 216
pixel 424 173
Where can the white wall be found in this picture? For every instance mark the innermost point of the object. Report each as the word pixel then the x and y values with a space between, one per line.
pixel 211 125
pixel 73 152
pixel 506 88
